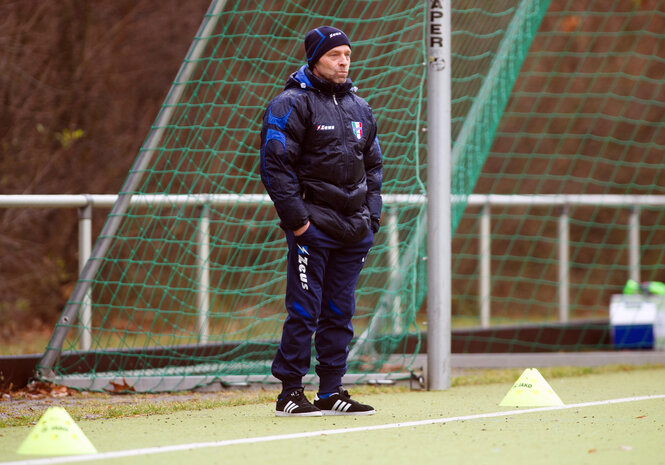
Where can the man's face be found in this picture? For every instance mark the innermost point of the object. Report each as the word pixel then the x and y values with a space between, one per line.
pixel 334 65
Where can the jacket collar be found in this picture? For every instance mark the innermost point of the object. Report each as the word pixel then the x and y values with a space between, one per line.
pixel 306 77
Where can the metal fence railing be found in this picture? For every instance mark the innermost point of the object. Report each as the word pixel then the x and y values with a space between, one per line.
pixel 85 203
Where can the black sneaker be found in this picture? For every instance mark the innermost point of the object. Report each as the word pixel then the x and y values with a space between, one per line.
pixel 340 403
pixel 296 405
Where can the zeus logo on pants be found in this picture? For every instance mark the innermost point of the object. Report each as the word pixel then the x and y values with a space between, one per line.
pixel 302 266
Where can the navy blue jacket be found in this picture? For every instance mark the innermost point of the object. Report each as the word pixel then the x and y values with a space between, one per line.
pixel 320 157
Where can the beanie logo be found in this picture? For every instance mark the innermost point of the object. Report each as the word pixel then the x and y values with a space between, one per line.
pixel 334 34
pixel 357 129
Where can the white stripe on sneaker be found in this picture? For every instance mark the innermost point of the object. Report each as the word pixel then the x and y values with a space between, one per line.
pixel 341 406
pixel 290 407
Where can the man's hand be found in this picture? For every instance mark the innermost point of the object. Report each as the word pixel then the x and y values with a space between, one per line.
pixel 301 230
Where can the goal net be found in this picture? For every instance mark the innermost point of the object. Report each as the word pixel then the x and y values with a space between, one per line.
pixel 185 285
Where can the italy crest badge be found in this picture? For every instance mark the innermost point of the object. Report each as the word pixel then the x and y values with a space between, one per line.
pixel 357 129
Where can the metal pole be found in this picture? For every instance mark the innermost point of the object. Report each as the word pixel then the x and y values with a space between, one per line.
pixel 438 193
pixel 132 182
pixel 85 244
pixel 393 262
pixel 634 245
pixel 203 270
pixel 564 291
pixel 485 266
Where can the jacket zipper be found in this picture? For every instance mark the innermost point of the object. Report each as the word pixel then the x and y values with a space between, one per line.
pixel 346 146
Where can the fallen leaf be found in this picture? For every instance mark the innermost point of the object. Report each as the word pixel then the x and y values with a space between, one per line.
pixel 59 391
pixel 389 368
pixel 120 388
pixel 41 390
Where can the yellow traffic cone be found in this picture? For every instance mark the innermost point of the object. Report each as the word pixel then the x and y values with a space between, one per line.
pixel 531 390
pixel 56 434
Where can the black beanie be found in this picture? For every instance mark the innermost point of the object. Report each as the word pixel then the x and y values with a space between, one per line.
pixel 318 41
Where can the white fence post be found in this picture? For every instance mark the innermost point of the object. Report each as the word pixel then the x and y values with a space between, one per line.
pixel 85 245
pixel 634 247
pixel 485 266
pixel 564 266
pixel 203 271
pixel 393 262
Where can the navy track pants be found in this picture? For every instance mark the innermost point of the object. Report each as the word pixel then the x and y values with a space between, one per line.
pixel 320 298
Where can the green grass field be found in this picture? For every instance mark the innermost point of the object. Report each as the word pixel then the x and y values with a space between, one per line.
pixel 461 425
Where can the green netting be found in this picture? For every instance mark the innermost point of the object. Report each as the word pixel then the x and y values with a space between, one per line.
pixel 585 119
pixel 190 287
pixel 193 286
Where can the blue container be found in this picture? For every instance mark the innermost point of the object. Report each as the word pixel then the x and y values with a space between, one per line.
pixel 632 336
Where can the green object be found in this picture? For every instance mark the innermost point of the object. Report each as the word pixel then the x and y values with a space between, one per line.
pixel 558 101
pixel 632 287
pixel 650 288
pixel 56 433
pixel 531 390
pixel 656 288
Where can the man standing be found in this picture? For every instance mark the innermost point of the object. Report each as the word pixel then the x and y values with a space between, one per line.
pixel 321 165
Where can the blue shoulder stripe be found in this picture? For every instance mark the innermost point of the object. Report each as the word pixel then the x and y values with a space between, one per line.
pixel 272 134
pixel 280 122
